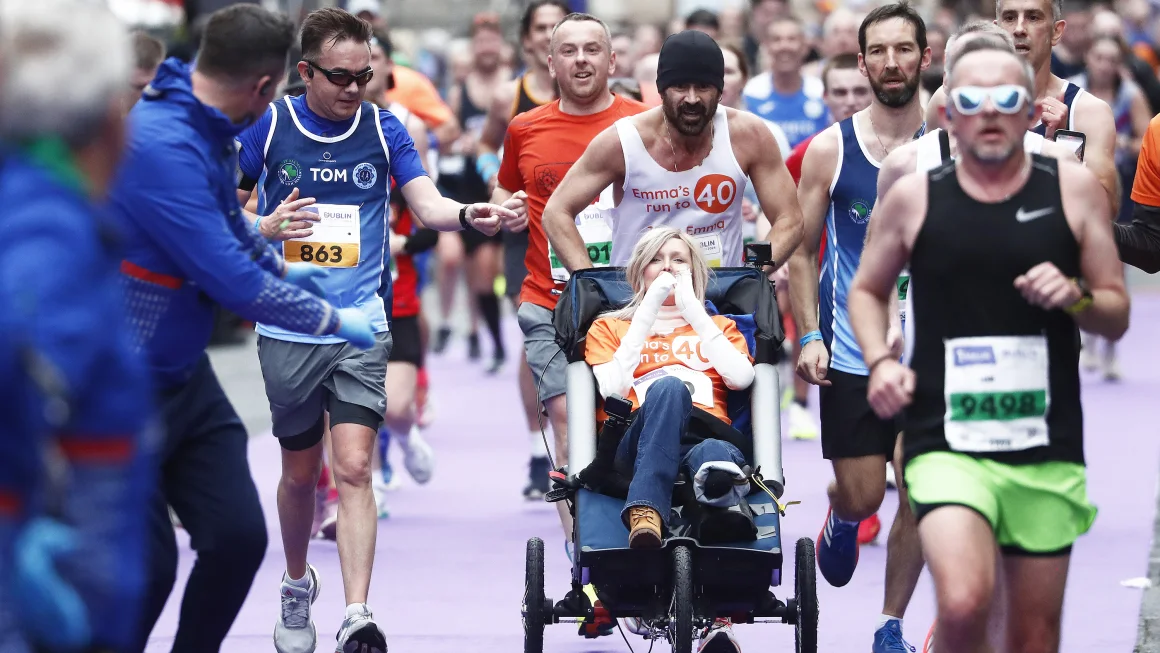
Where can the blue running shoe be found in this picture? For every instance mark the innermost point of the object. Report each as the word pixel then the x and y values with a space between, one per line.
pixel 837 550
pixel 384 447
pixel 888 639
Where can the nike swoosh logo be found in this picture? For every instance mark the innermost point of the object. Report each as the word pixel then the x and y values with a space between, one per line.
pixel 1027 216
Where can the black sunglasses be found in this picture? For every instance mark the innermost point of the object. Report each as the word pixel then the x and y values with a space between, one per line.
pixel 341 77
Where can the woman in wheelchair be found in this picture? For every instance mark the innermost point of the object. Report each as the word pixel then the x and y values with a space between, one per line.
pixel 676 364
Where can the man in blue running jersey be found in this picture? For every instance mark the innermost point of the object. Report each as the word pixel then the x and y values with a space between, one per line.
pixel 1037 26
pixel 332 147
pixel 783 95
pixel 838 189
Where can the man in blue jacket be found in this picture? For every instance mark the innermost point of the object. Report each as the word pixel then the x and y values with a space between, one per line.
pixel 77 395
pixel 188 247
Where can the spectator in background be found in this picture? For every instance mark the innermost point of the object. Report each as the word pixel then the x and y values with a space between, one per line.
pixel 1109 24
pixel 763 12
pixel 148 53
pixel 839 36
pixel 625 51
pixel 784 95
pixel 732 19
pixel 1105 78
pixel 705 21
pixel 932 78
pixel 77 393
pixel 646 77
pixel 369 10
pixel 1067 57
pixel 648 39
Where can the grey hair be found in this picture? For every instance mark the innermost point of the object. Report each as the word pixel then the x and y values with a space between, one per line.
pixel 1056 9
pixel 45 39
pixel 576 17
pixel 991 45
pixel 981 28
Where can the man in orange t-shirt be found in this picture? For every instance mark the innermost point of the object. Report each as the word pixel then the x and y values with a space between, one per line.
pixel 540 147
pixel 1139 242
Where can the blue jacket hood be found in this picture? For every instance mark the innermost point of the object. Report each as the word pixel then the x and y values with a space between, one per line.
pixel 174 83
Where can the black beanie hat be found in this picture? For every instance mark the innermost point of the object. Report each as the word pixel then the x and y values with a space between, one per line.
pixel 690 57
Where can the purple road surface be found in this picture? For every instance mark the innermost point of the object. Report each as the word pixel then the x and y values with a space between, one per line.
pixel 449 569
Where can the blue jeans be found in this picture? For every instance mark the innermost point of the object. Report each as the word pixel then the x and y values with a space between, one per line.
pixel 652 451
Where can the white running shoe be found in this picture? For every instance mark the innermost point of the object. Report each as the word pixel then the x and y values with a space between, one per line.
pixel 418 456
pixel 636 626
pixel 359 632
pixel 295 632
pixel 801 423
pixel 1089 359
pixel 328 530
pixel 379 489
pixel 719 638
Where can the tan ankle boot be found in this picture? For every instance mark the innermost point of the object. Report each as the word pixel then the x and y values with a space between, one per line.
pixel 644 525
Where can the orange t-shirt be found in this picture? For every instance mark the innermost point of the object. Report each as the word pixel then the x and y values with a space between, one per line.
pixel 415 92
pixel 540 147
pixel 1146 188
pixel 675 354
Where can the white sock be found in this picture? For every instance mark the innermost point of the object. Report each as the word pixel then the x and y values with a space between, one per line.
pixel 883 618
pixel 839 520
pixel 301 583
pixel 539 449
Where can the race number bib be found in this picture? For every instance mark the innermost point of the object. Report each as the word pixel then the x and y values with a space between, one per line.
pixel 711 248
pixel 700 386
pixel 595 226
pixel 903 293
pixel 997 395
pixel 335 241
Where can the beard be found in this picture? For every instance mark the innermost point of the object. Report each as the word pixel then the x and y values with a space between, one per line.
pixel 895 98
pixel 690 119
pixel 995 154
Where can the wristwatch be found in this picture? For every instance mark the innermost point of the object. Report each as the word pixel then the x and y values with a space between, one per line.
pixel 1084 302
pixel 463 218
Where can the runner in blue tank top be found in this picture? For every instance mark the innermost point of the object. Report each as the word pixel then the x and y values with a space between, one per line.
pixel 339 154
pixel 838 189
pixel 784 96
pixel 1034 25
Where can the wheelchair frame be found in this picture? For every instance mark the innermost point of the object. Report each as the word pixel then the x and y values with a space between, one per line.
pixel 678 588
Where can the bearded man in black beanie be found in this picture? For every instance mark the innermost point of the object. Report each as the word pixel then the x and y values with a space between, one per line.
pixel 683 164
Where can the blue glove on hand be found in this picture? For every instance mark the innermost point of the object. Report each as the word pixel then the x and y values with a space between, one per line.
pixel 50 610
pixel 307 277
pixel 355 328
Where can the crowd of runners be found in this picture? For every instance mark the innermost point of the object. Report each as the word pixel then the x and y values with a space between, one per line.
pixel 304 178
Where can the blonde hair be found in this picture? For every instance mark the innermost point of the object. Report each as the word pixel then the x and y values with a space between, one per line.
pixel 642 255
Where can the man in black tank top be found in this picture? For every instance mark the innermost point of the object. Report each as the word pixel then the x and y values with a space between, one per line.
pixel 995 243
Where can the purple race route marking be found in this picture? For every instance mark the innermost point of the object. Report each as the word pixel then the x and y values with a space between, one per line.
pixel 449 568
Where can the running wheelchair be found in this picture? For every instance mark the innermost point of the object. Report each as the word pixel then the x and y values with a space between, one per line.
pixel 691 580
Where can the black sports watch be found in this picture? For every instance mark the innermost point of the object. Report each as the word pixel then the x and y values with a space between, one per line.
pixel 463 218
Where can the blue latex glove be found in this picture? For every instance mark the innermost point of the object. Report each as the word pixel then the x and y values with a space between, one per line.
pixel 355 327
pixel 50 610
pixel 307 277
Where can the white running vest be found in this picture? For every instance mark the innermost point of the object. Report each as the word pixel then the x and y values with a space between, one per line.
pixel 705 201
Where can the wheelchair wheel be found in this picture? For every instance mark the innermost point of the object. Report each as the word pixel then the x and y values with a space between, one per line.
pixel 534 603
pixel 681 612
pixel 806 597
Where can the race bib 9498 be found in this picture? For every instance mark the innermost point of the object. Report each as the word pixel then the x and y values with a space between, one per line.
pixel 997 393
